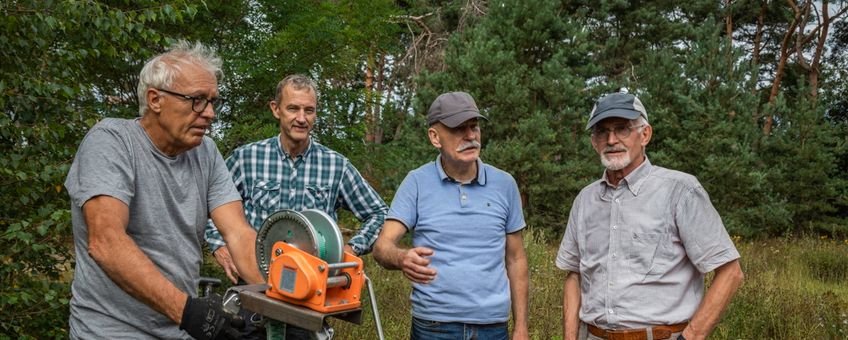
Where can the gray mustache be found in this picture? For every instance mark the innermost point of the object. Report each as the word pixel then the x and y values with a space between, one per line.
pixel 614 149
pixel 468 145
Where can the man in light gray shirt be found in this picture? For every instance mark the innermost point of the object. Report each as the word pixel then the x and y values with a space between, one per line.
pixel 141 192
pixel 640 240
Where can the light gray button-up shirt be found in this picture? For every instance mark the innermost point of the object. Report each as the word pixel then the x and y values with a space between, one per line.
pixel 642 248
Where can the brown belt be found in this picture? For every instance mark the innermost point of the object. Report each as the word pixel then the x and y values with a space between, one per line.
pixel 660 332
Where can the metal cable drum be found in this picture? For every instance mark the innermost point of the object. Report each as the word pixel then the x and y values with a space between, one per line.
pixel 312 231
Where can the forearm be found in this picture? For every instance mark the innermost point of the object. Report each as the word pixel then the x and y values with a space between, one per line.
pixel 368 233
pixel 213 237
pixel 519 291
pixel 129 268
pixel 388 254
pixel 240 239
pixel 727 279
pixel 242 246
pixel 571 306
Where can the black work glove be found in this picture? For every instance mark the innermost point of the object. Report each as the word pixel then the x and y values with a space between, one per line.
pixel 204 319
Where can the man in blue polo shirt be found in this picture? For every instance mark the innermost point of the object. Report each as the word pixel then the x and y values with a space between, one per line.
pixel 467 264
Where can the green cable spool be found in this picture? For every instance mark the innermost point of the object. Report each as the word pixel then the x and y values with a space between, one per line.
pixel 322 245
pixel 288 226
pixel 311 230
pixel 328 237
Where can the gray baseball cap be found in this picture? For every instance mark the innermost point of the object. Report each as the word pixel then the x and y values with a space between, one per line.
pixel 453 109
pixel 618 104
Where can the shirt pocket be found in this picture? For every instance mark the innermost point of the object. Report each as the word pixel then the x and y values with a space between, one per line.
pixel 645 254
pixel 266 195
pixel 316 197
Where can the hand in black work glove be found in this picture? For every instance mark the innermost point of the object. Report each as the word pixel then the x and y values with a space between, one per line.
pixel 204 319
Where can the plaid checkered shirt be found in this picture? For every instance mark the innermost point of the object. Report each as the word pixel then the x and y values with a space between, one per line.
pixel 269 180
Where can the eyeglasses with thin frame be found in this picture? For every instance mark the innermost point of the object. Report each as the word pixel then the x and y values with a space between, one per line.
pixel 621 131
pixel 198 104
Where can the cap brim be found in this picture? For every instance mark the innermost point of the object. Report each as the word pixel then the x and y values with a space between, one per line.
pixel 459 118
pixel 620 113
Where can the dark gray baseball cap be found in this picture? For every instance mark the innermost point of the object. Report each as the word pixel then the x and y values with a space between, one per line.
pixel 453 109
pixel 619 104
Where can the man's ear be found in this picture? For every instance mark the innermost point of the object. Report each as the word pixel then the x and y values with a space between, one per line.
pixel 434 137
pixel 647 132
pixel 154 100
pixel 274 107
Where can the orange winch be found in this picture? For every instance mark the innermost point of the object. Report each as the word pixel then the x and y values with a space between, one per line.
pixel 303 279
pixel 309 275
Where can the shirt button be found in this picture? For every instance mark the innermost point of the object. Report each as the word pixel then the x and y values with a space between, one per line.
pixel 617 200
pixel 613 255
pixel 611 312
pixel 614 227
pixel 610 284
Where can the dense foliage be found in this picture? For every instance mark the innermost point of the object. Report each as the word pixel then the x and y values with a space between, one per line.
pixel 749 96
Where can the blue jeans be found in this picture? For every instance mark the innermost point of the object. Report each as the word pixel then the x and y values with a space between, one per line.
pixel 434 330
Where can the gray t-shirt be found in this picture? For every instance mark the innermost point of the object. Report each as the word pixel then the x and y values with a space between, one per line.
pixel 169 200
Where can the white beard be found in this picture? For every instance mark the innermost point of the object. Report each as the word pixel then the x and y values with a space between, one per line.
pixel 615 163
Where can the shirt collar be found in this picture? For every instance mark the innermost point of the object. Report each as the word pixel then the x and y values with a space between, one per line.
pixel 481 172
pixel 285 154
pixel 634 180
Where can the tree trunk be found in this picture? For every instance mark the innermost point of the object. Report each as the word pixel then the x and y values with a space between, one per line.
pixel 781 64
pixel 758 36
pixel 377 130
pixel 728 23
pixel 369 105
pixel 814 65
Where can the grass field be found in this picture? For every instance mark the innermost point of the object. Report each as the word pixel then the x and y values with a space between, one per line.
pixel 793 289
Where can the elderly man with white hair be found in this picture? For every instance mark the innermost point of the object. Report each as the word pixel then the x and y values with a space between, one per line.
pixel 141 191
pixel 639 241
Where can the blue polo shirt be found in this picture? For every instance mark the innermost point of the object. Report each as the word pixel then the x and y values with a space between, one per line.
pixel 466 226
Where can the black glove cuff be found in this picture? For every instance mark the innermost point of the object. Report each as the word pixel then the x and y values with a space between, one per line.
pixel 202 319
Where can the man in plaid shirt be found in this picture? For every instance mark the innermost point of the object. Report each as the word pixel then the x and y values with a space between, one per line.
pixel 292 171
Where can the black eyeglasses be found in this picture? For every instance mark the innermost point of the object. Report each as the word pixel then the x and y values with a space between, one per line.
pixel 198 104
pixel 621 131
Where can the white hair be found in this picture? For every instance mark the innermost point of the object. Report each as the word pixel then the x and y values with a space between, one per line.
pixel 160 71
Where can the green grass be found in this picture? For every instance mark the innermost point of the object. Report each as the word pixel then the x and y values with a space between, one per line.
pixel 793 289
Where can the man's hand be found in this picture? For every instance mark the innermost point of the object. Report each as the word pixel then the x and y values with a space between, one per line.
pixel 222 256
pixel 204 319
pixel 413 262
pixel 520 334
pixel 416 267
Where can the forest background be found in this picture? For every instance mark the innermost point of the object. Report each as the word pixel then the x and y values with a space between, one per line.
pixel 749 96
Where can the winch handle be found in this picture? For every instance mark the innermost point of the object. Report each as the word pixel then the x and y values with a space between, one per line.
pixel 208 285
pixel 374 308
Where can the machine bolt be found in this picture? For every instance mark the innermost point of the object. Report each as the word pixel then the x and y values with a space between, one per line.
pixel 321 268
pixel 278 252
pixel 318 292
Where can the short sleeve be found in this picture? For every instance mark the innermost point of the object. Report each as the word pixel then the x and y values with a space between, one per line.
pixel 404 206
pixel 568 255
pixel 221 187
pixel 515 220
pixel 102 166
pixel 704 236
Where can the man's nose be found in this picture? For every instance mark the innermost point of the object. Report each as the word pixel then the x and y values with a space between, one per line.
pixel 301 115
pixel 612 138
pixel 208 112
